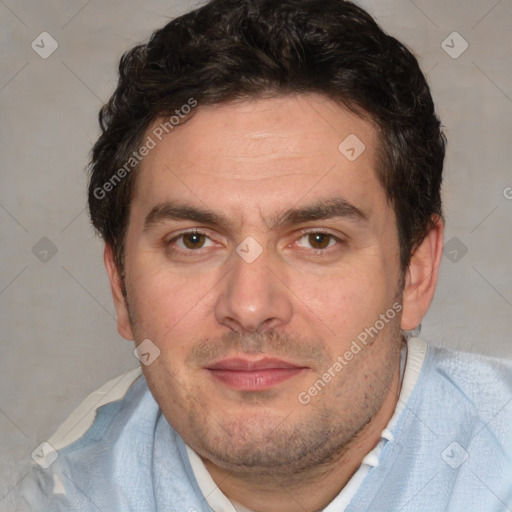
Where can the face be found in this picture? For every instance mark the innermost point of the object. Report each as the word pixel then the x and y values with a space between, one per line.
pixel 257 253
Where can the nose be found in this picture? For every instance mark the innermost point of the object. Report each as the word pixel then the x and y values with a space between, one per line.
pixel 254 296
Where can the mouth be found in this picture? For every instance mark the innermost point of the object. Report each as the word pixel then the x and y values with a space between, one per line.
pixel 253 375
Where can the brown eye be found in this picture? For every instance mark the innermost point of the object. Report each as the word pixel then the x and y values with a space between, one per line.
pixel 194 240
pixel 319 240
pixel 191 243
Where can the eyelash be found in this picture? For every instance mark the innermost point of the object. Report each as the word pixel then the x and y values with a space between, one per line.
pixel 303 233
pixel 188 252
pixel 319 252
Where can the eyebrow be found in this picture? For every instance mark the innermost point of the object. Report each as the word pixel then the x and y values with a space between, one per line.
pixel 321 210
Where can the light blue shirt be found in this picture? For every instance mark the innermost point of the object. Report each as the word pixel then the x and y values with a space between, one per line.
pixel 448 448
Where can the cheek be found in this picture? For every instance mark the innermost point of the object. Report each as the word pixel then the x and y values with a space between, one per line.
pixel 167 305
pixel 344 301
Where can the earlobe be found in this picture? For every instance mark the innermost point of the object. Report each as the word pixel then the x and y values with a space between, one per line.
pixel 421 276
pixel 116 286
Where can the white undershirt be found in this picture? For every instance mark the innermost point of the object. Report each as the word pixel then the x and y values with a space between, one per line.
pixel 412 364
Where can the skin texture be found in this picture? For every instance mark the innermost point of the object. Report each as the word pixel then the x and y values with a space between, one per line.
pixel 303 300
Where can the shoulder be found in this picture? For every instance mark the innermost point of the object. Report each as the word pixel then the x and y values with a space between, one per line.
pixel 451 446
pixel 479 379
pixel 116 452
pixel 464 389
pixel 83 418
pixel 80 456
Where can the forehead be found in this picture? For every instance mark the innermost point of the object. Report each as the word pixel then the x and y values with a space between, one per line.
pixel 262 153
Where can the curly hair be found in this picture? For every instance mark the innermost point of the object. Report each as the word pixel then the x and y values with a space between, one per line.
pixel 241 49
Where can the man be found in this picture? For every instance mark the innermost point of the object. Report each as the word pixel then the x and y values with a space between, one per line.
pixel 268 188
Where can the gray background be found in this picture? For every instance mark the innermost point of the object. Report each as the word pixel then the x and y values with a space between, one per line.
pixel 58 336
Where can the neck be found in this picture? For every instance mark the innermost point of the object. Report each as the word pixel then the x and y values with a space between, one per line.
pixel 312 490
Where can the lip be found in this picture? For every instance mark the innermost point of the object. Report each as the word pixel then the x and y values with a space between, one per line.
pixel 253 375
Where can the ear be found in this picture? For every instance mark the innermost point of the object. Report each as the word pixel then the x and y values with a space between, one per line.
pixel 421 276
pixel 123 319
